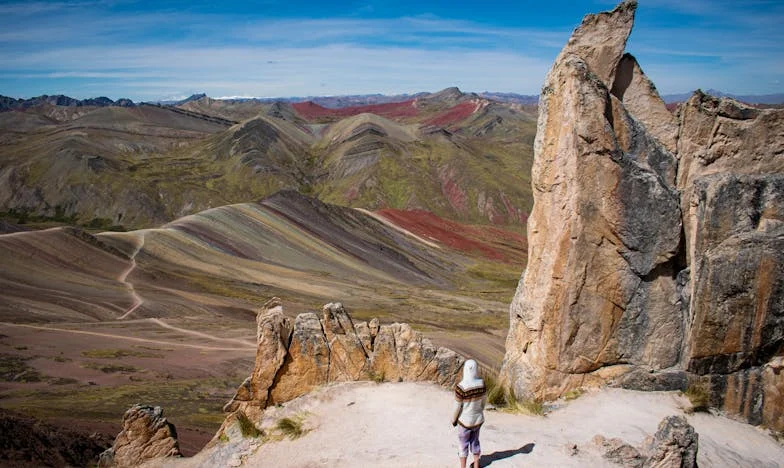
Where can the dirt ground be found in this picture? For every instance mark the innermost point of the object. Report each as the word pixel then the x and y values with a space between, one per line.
pixel 407 425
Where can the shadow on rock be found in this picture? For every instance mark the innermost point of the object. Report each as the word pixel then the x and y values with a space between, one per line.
pixel 486 460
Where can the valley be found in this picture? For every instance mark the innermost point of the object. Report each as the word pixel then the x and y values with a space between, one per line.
pixel 406 211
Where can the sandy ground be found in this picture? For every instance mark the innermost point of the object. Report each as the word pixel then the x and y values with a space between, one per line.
pixel 407 425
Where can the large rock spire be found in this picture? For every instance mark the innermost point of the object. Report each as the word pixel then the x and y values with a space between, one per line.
pixel 606 296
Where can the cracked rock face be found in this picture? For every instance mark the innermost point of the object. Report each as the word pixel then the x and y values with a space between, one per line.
pixel 655 240
pixel 145 435
pixel 291 360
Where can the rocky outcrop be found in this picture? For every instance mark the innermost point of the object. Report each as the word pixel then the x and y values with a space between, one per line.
pixel 292 359
pixel 145 435
pixel 655 241
pixel 674 445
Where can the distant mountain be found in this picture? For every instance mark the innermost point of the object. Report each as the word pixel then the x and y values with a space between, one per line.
pixel 9 103
pixel 531 99
pixel 771 99
pixel 457 155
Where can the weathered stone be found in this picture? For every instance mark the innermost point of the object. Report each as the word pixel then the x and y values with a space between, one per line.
pixel 598 289
pixel 617 451
pixel 639 96
pixel 646 271
pixel 601 39
pixel 317 351
pixel 145 435
pixel 673 446
pixel 348 359
pixel 307 362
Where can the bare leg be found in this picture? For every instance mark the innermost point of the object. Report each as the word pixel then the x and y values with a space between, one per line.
pixel 476 460
pixel 463 462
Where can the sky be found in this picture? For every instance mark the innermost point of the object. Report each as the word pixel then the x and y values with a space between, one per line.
pixel 268 48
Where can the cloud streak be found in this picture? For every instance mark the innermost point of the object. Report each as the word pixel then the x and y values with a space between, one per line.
pixel 109 48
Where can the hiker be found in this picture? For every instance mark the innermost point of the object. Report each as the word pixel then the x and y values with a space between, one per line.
pixel 470 396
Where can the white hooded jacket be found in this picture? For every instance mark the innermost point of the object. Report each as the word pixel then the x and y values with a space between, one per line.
pixel 470 398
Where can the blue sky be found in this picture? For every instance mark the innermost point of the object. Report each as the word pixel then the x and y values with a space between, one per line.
pixel 157 50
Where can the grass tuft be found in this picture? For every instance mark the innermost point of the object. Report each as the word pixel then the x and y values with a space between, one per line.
pixel 291 427
pixel 573 394
pixel 496 393
pixel 377 377
pixel 247 427
pixel 699 397
pixel 506 399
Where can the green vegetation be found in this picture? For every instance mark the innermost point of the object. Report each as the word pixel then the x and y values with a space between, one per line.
pixel 699 397
pixel 109 368
pixel 573 394
pixel 118 353
pixel 15 369
pixel 377 377
pixel 291 427
pixel 181 399
pixel 504 275
pixel 247 427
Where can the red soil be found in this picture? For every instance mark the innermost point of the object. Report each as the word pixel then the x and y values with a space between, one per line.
pixel 309 110
pixel 453 115
pixel 489 242
pixel 452 190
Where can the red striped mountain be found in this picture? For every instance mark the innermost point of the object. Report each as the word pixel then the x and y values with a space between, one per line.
pixel 449 153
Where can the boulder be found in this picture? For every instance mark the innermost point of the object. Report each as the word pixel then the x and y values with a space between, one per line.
pixel 673 446
pixel 292 361
pixel 145 435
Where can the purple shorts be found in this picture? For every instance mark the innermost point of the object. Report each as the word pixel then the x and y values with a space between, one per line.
pixel 469 440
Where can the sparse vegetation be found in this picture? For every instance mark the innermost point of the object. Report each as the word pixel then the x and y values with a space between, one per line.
pixel 699 397
pixel 496 393
pixel 573 394
pixel 247 427
pixel 109 368
pixel 291 427
pixel 223 437
pixel 377 377
pixel 506 399
pixel 118 353
pixel 15 369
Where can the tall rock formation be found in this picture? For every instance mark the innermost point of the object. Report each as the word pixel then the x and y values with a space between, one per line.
pixel 655 241
pixel 293 359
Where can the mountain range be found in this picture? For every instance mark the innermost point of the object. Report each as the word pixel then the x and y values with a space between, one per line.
pixel 336 102
pixel 100 165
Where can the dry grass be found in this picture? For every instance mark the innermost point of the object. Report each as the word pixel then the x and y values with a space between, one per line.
pixel 506 399
pixel 699 397
pixel 573 394
pixel 377 377
pixel 291 427
pixel 247 427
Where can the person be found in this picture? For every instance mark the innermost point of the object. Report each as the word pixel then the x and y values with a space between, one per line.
pixel 470 399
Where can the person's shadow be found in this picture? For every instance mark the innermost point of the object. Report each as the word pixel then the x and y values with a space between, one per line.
pixel 486 460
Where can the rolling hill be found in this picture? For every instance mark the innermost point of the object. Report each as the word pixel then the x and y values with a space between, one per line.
pixel 134 167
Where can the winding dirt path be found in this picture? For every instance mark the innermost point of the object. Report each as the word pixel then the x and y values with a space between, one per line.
pixel 196 334
pixel 123 337
pixel 137 299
